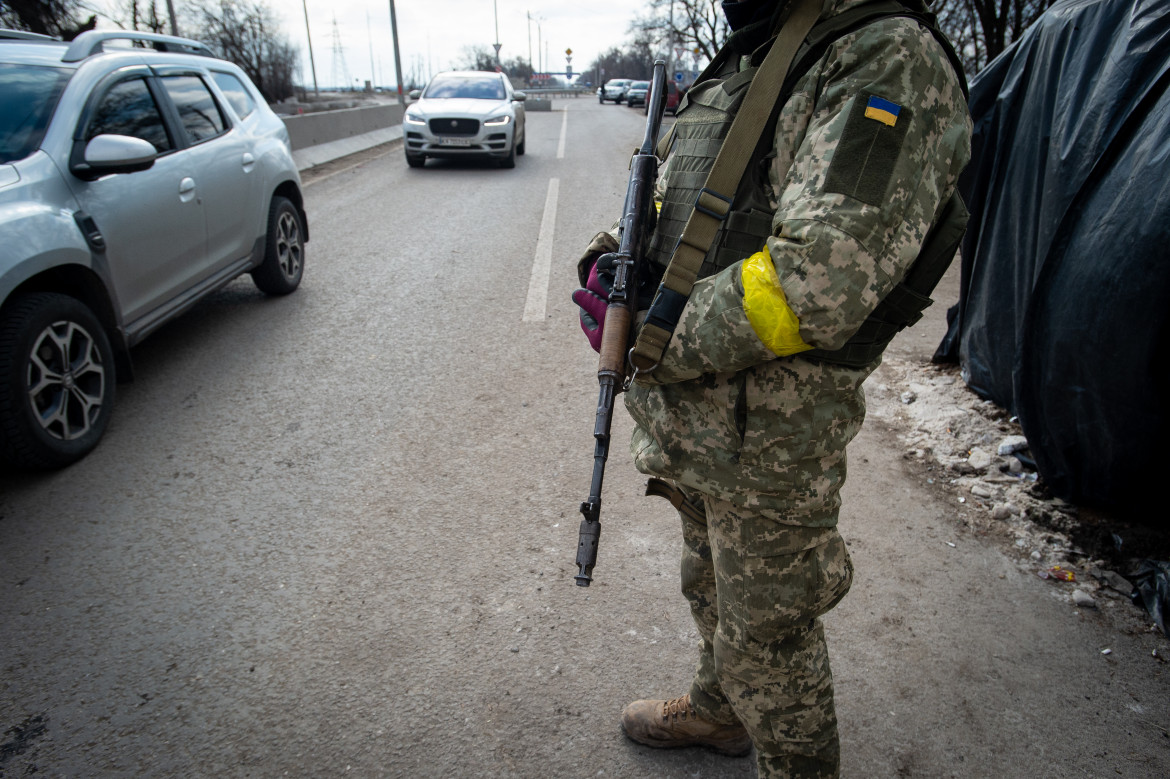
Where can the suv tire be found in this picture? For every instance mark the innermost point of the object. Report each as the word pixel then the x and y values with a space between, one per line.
pixel 57 379
pixel 510 160
pixel 284 253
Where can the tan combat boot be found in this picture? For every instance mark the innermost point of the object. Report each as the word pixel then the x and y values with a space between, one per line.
pixel 674 723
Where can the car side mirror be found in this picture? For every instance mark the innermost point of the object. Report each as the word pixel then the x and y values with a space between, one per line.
pixel 414 94
pixel 107 154
pixel 519 96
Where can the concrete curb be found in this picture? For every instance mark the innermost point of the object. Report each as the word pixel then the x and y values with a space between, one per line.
pixel 327 152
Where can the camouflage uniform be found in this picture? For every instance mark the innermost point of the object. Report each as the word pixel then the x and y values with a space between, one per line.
pixel 758 441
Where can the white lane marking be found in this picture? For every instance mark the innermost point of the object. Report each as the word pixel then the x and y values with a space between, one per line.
pixel 534 308
pixel 564 126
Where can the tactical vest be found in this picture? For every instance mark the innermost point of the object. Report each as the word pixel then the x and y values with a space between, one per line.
pixel 703 122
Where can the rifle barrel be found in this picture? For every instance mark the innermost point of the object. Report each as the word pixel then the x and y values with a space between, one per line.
pixel 636 224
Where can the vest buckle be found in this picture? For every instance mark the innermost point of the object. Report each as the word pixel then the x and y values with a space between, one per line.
pixel 712 203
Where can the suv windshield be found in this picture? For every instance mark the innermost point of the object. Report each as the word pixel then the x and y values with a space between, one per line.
pixel 28 95
pixel 478 88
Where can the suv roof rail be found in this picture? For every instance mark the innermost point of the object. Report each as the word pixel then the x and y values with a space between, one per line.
pixel 26 36
pixel 92 42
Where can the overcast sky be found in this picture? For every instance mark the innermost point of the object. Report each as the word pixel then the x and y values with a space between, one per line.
pixel 433 34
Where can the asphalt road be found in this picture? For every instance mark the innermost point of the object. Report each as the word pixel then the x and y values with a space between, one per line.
pixel 333 534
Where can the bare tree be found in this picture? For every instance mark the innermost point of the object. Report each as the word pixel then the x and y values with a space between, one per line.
pixel 58 18
pixel 247 33
pixel 636 61
pixel 982 29
pixel 477 58
pixel 142 15
pixel 696 26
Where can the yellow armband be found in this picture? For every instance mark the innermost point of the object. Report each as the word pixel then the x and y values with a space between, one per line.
pixel 767 308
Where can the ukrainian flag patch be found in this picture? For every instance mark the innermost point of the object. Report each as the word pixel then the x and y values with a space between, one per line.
pixel 882 110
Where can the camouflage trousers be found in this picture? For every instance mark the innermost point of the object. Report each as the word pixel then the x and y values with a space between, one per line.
pixel 757 589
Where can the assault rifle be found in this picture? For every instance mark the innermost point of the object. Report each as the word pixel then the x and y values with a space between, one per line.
pixel 637 222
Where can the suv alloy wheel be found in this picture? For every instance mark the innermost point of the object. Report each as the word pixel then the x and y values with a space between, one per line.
pixel 57 380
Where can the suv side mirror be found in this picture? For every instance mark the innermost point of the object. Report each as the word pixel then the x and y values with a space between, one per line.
pixel 107 154
pixel 414 94
pixel 519 96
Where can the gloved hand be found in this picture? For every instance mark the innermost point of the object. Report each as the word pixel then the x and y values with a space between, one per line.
pixel 593 299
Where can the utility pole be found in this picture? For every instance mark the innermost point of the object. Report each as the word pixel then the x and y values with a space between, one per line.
pixel 397 56
pixel 171 11
pixel 670 45
pixel 370 34
pixel 340 73
pixel 309 35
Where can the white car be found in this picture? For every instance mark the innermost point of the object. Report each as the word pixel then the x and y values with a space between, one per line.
pixel 465 114
pixel 615 89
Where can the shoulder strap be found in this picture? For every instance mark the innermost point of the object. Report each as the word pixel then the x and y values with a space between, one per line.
pixel 714 199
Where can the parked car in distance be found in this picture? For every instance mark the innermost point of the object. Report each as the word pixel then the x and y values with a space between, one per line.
pixel 674 96
pixel 614 90
pixel 465 114
pixel 637 92
pixel 133 182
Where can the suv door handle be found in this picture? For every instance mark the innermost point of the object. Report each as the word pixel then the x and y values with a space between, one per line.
pixel 186 189
pixel 249 162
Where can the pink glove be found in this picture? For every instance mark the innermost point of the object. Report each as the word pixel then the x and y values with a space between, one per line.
pixel 593 300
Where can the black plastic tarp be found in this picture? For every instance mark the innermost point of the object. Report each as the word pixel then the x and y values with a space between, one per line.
pixel 1065 295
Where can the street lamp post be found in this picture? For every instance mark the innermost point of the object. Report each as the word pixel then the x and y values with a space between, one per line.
pixel 529 14
pixel 496 10
pixel 536 66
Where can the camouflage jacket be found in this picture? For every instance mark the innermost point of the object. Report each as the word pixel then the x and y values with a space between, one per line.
pixel 722 414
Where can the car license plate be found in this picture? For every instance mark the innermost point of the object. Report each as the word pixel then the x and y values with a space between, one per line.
pixel 455 141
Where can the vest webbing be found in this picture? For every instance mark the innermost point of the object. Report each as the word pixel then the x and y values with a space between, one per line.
pixel 904 304
pixel 714 199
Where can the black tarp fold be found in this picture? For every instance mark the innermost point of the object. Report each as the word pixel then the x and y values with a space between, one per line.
pixel 1064 311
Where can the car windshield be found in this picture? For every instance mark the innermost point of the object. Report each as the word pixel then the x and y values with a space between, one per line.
pixel 640 85
pixel 461 86
pixel 28 95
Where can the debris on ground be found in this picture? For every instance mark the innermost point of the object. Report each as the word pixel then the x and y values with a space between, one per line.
pixel 976 450
pixel 1152 583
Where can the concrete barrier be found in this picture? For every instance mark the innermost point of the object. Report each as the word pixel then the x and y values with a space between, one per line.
pixel 305 130
pixel 325 136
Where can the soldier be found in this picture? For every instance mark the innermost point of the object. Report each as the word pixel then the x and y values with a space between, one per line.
pixel 748 413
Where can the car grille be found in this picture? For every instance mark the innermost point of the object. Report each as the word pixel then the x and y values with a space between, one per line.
pixel 454 126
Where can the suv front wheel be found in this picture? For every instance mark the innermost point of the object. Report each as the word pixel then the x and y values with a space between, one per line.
pixel 56 381
pixel 284 254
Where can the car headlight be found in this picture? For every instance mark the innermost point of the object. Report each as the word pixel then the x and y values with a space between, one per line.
pixel 415 119
pixel 497 121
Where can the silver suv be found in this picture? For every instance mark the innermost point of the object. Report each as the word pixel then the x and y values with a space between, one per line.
pixel 133 182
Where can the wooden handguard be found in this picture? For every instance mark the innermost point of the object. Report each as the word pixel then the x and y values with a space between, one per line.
pixel 615 340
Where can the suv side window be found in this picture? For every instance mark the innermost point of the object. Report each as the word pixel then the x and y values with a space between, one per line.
pixel 128 108
pixel 198 110
pixel 236 93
